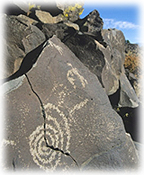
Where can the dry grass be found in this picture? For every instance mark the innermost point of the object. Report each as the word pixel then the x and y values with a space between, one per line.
pixel 133 63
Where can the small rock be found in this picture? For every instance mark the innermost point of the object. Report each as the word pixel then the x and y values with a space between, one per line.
pixel 128 97
pixel 46 17
pixel 61 30
pixel 26 20
pixel 33 39
pixel 71 24
pixel 92 24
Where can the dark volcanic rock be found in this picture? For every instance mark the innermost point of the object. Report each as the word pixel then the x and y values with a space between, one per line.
pixel 79 119
pixel 128 96
pixel 21 38
pixel 85 48
pixel 114 72
pixel 92 24
pixel 18 30
pixel 134 48
pixel 61 30
pixel 114 59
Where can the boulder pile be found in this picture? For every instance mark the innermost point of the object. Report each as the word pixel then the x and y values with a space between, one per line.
pixel 58 114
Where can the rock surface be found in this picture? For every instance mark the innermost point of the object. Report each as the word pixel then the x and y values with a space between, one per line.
pixel 85 48
pixel 93 23
pixel 79 118
pixel 59 115
pixel 46 17
pixel 21 39
pixel 114 58
pixel 127 94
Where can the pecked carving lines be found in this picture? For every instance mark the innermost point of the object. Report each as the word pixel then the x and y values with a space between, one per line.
pixel 47 139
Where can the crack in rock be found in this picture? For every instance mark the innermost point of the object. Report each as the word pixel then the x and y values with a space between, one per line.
pixel 13 164
pixel 28 61
pixel 44 126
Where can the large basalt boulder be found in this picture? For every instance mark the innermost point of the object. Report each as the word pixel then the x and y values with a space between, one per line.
pixel 114 59
pixel 21 38
pixel 85 48
pixel 128 97
pixel 113 72
pixel 78 118
pixel 61 30
pixel 92 25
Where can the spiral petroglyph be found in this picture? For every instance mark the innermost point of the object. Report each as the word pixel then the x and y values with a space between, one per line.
pixel 57 135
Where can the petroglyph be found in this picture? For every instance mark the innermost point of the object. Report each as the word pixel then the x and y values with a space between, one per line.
pixel 57 134
pixel 62 95
pixel 57 130
pixel 9 142
pixel 60 50
pixel 78 106
pixel 51 140
pixel 71 77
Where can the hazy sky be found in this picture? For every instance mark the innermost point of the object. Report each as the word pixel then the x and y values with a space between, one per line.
pixel 124 18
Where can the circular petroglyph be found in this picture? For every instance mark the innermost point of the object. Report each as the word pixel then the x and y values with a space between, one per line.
pixel 57 135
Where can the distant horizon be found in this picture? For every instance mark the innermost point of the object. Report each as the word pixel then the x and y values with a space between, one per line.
pixel 124 18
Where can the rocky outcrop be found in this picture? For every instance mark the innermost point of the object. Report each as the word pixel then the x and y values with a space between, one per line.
pixel 66 107
pixel 59 115
pixel 22 37
pixel 134 48
pixel 114 72
pixel 85 48
pixel 71 10
pixel 114 58
pixel 133 66
pixel 92 25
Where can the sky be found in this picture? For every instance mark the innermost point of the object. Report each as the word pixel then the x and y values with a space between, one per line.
pixel 124 18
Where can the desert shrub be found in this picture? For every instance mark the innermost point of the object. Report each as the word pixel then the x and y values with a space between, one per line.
pixel 132 63
pixel 77 9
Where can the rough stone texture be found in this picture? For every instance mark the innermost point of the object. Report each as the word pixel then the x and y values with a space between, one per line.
pixel 33 39
pixel 128 96
pixel 13 56
pixel 92 25
pixel 21 38
pixel 113 72
pixel 46 17
pixel 100 161
pixel 133 53
pixel 102 51
pixel 114 59
pixel 85 48
pixel 26 20
pixel 71 24
pixel 60 30
pixel 134 48
pixel 79 118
